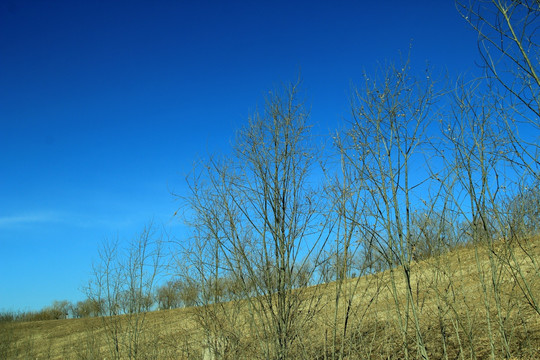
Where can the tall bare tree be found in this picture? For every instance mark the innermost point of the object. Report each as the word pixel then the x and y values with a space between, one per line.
pixel 386 153
pixel 509 45
pixel 257 219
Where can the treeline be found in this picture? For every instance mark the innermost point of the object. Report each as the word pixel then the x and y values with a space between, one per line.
pixel 185 291
pixel 57 310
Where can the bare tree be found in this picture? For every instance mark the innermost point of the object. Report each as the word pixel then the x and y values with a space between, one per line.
pixel 509 44
pixel 168 295
pixel 87 308
pixel 124 281
pixel 257 219
pixel 386 156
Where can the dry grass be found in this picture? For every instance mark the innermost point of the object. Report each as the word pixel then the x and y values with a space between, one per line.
pixel 447 291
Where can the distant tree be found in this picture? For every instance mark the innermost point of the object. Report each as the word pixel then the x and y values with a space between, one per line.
pixel 168 295
pixel 87 308
pixel 432 234
pixel 61 309
pixel 189 292
pixel 523 211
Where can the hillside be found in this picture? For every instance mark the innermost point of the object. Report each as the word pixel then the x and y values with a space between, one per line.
pixel 450 301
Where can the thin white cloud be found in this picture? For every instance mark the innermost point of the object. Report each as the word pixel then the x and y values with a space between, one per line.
pixel 73 219
pixel 30 218
pixel 55 217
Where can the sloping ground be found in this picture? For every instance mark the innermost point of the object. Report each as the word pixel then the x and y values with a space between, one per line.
pixel 469 303
pixel 84 338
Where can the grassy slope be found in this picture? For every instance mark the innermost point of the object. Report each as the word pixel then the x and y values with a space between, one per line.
pixel 447 293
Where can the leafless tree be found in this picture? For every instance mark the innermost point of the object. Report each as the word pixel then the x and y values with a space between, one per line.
pixel 87 308
pixel 385 152
pixel 124 281
pixel 257 219
pixel 509 44
pixel 168 295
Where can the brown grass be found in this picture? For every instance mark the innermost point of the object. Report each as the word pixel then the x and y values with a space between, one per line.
pixel 446 290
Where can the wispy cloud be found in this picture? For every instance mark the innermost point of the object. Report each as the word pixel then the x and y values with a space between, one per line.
pixel 31 218
pixel 109 222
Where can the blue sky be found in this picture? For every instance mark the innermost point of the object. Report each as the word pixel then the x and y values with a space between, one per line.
pixel 104 106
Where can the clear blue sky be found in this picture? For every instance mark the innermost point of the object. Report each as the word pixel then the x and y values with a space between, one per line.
pixel 104 106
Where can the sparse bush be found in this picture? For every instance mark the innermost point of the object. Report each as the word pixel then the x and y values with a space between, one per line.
pixel 8 316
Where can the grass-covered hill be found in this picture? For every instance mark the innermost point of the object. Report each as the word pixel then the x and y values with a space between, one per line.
pixel 472 302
